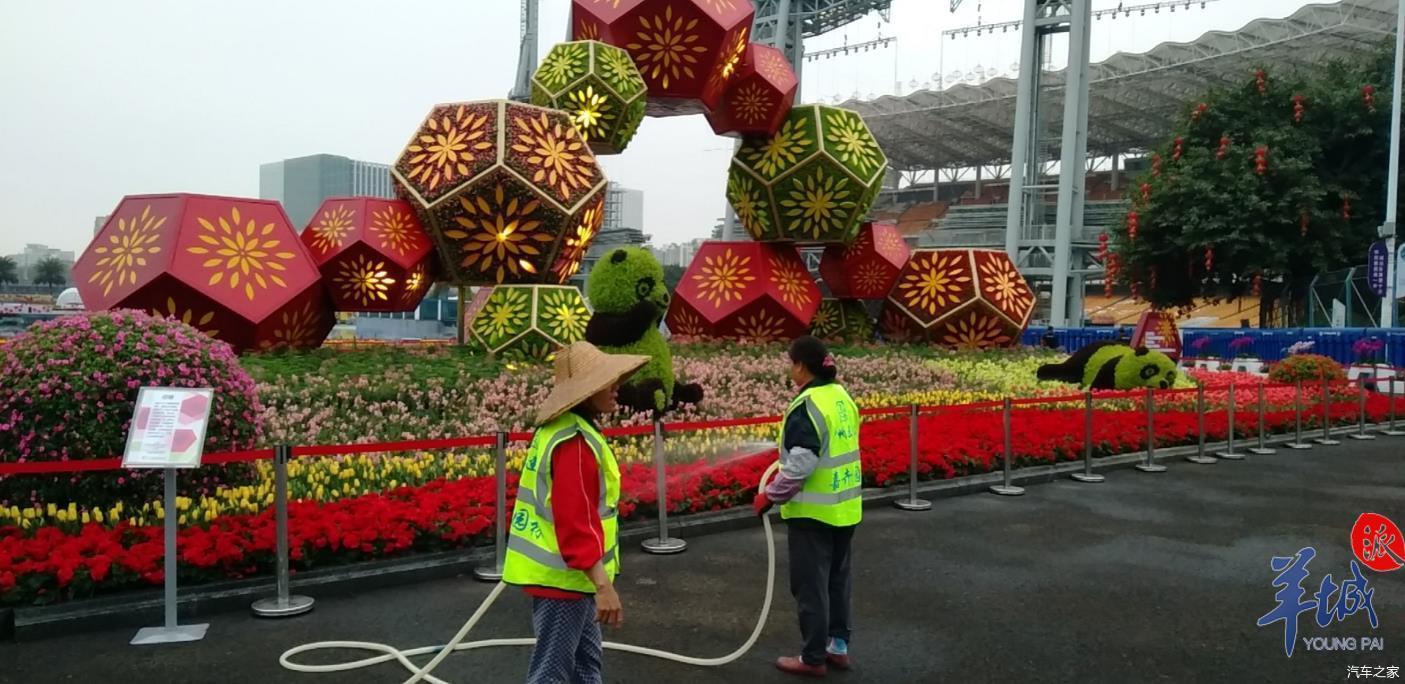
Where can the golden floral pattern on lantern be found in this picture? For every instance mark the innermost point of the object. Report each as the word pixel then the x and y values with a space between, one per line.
pixel 416 282
pixel 501 236
pixel 889 242
pixel 568 263
pixel 565 63
pixel 686 324
pixel 296 328
pixel 821 202
pixel 720 5
pixel 588 30
pixel 126 250
pixel 564 315
pixel 774 67
pixel 333 225
pixel 852 143
pixel 828 319
pixel 504 315
pixel 1004 286
pixel 749 203
pixel 396 229
pixel 668 47
pixel 447 145
pixel 975 331
pixel 589 111
pixel 728 66
pixel 753 104
pixel 241 252
pixel 617 68
pixel 792 282
pixel 724 277
pixel 782 150
pixel 935 283
pixel 896 326
pixel 871 276
pixel 364 281
pixel 558 159
pixel 760 327
pixel 188 317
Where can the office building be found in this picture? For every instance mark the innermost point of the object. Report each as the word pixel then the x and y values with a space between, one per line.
pixel 34 253
pixel 303 183
pixel 623 226
pixel 97 224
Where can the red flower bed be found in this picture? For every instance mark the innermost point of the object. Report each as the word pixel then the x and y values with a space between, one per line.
pixel 56 563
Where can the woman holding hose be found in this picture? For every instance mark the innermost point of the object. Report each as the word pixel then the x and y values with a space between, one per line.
pixel 819 489
pixel 562 545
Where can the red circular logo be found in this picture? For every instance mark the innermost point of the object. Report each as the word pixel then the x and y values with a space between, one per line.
pixel 1377 542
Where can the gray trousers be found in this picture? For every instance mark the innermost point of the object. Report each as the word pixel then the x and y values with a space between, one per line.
pixel 568 642
pixel 821 582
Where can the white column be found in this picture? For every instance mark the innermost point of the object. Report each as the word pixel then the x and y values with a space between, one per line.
pixel 1073 160
pixel 1019 149
pixel 1388 229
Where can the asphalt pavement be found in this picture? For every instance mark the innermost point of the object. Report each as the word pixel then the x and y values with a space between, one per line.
pixel 1143 578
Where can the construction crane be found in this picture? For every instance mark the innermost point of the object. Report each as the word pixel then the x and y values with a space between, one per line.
pixel 527 55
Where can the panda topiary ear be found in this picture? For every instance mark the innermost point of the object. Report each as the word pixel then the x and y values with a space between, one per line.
pixel 619 256
pixel 1142 351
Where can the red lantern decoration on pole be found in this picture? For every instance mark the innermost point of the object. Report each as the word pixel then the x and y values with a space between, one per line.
pixel 1298 109
pixel 1302 223
pixel 1146 191
pixel 1200 110
pixel 1224 147
pixel 1110 269
pixel 1176 152
pixel 1261 160
pixel 1102 247
pixel 1152 278
pixel 1258 284
pixel 1209 259
pixel 1368 97
pixel 1133 222
pixel 1155 164
pixel 1261 81
pixel 1346 208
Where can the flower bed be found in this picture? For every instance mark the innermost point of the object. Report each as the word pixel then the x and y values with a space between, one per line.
pixel 67 552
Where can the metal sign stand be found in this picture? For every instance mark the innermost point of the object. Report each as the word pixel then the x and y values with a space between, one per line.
pixel 1298 442
pixel 1229 454
pixel 171 632
pixel 662 545
pixel 494 573
pixel 1007 487
pixel 1391 430
pixel 282 605
pixel 912 503
pixel 1151 466
pixel 1326 438
pixel 1088 475
pixel 1360 433
pixel 1200 456
pixel 1262 449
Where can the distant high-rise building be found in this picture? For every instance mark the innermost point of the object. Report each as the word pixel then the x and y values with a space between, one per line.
pixel 34 253
pixel 623 226
pixel 303 183
pixel 97 224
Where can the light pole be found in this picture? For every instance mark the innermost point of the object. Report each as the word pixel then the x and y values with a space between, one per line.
pixel 1388 228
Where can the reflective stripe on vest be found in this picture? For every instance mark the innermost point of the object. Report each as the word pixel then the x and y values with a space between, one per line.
pixel 833 493
pixel 533 557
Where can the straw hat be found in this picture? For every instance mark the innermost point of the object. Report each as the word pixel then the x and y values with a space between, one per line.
pixel 582 370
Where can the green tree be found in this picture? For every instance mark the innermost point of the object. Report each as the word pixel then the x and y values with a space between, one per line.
pixel 9 272
pixel 672 275
pixel 1261 186
pixel 51 272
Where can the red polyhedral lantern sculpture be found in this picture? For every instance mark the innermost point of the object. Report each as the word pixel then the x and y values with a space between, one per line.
pixel 372 253
pixel 744 290
pixel 758 97
pixel 961 298
pixel 229 266
pixel 869 266
pixel 687 50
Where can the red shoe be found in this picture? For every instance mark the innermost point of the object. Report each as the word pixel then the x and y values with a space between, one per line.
pixel 837 661
pixel 796 666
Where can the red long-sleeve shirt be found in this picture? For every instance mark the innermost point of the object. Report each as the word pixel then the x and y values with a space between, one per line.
pixel 575 505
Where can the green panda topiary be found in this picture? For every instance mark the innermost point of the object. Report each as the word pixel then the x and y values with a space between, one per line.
pixel 627 292
pixel 1110 365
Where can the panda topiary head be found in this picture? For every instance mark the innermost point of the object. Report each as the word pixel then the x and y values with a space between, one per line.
pixel 625 278
pixel 1145 368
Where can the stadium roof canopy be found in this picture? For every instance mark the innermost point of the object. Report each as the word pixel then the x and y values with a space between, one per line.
pixel 1134 98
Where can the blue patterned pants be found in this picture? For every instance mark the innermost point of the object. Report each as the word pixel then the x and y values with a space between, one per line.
pixel 568 642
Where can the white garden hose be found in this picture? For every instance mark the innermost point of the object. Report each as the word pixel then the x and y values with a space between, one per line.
pixel 389 653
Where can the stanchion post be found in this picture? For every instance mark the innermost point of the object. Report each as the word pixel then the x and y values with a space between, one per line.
pixel 493 573
pixel 1360 433
pixel 171 631
pixel 912 503
pixel 662 544
pixel 1229 454
pixel 1298 442
pixel 1151 466
pixel 1200 456
pixel 1326 438
pixel 1007 487
pixel 281 605
pixel 1088 475
pixel 1262 448
pixel 1391 430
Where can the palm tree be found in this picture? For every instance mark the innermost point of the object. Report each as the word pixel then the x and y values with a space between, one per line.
pixel 51 272
pixel 9 272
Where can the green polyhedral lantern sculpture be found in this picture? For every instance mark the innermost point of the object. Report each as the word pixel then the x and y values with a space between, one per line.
pixel 599 86
pixel 843 320
pixel 530 322
pixel 812 182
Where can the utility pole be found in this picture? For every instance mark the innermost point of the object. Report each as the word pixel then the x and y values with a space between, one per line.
pixel 1387 231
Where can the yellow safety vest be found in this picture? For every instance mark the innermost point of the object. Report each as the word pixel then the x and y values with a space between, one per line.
pixel 533 557
pixel 833 493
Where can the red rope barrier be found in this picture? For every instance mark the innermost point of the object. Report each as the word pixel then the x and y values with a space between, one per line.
pixel 384 447
pixel 115 463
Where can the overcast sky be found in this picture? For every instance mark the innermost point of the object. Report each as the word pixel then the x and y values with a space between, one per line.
pixel 104 98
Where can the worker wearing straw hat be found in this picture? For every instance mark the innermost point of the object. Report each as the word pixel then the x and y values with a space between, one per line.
pixel 562 543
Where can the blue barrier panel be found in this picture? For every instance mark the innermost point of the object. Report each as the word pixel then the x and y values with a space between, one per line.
pixel 1268 345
